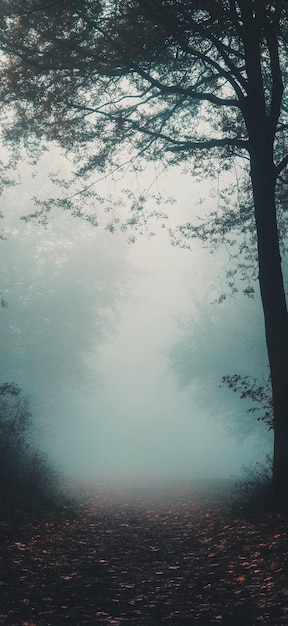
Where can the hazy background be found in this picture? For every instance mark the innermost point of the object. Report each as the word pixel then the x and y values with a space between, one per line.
pixel 122 347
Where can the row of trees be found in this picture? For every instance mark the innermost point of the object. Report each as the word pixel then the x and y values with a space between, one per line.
pixel 200 82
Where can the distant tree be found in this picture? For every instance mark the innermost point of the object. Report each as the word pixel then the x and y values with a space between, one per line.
pixel 230 336
pixel 62 284
pixel 172 80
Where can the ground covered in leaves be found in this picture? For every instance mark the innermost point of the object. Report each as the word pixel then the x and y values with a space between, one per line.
pixel 175 557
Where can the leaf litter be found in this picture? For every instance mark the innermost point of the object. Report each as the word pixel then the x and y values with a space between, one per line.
pixel 174 557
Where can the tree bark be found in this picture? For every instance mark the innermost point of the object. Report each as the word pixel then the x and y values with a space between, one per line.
pixel 263 176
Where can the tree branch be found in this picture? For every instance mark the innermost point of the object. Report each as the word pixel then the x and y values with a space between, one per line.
pixel 281 166
pixel 188 92
pixel 222 49
pixel 175 145
pixel 209 143
pixel 206 34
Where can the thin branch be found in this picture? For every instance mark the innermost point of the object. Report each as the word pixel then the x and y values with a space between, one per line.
pixel 209 143
pixel 281 166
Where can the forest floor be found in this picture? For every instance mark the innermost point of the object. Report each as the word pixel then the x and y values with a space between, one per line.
pixel 178 556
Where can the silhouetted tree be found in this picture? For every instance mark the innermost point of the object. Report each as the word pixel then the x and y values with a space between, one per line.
pixel 174 80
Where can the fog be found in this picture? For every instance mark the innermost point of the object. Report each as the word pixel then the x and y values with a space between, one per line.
pixel 122 348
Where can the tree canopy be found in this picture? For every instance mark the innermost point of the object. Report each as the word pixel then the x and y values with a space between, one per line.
pixel 117 82
pixel 181 61
pixel 166 78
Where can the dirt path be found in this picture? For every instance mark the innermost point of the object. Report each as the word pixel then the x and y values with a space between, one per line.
pixel 173 558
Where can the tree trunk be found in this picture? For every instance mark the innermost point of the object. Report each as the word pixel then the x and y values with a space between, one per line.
pixel 263 178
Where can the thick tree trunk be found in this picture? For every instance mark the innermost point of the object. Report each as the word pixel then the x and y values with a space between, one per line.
pixel 261 119
pixel 275 309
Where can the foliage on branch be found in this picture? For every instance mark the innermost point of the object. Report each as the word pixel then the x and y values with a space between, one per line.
pixel 249 388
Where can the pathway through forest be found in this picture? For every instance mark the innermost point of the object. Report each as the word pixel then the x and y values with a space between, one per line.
pixel 176 556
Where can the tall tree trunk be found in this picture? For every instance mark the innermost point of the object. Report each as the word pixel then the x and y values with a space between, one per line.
pixel 263 178
pixel 261 119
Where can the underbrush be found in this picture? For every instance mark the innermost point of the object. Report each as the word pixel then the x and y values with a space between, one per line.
pixel 253 492
pixel 28 481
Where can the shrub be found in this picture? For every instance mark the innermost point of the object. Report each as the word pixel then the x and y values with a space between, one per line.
pixel 27 480
pixel 254 491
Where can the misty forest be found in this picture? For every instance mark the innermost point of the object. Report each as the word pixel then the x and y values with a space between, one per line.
pixel 144 325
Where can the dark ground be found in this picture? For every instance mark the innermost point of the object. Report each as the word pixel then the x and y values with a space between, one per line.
pixel 174 557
